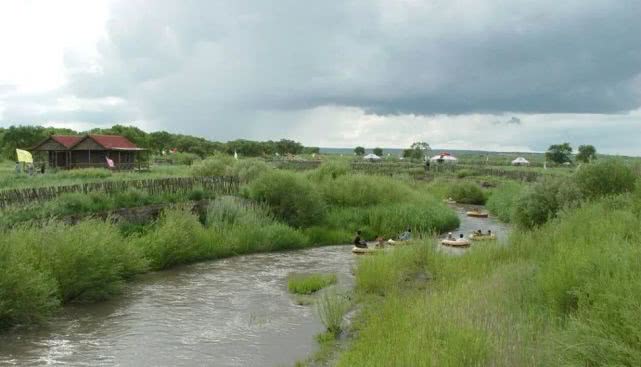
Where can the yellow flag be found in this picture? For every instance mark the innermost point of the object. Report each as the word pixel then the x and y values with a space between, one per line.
pixel 24 156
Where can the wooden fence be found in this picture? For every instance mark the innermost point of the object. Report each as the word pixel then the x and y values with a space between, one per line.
pixel 218 185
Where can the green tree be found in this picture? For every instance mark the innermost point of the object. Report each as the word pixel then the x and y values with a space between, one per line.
pixel 359 151
pixel 378 151
pixel 587 153
pixel 559 153
pixel 417 150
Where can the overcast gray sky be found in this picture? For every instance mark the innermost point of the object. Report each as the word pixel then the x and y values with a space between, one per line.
pixel 480 74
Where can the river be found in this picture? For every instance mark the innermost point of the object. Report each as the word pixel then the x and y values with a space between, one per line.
pixel 230 312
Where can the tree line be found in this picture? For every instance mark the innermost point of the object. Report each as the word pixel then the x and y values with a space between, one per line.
pixel 562 153
pixel 24 137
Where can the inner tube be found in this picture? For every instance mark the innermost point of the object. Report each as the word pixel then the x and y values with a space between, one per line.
pixel 483 237
pixel 456 243
pixel 363 250
pixel 476 214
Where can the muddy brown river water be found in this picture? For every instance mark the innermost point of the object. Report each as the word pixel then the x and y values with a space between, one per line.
pixel 231 312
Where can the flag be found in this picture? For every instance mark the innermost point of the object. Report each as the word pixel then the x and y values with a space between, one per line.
pixel 24 156
pixel 110 163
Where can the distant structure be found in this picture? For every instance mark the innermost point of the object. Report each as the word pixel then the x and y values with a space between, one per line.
pixel 444 158
pixel 71 151
pixel 520 161
pixel 372 157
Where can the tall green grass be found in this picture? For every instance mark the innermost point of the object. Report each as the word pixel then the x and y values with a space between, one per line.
pixel 566 293
pixel 309 283
pixel 502 201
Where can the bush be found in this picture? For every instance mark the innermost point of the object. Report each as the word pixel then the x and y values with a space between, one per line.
pixel 218 165
pixel 606 177
pixel 184 158
pixel 249 169
pixel 466 193
pixel 309 283
pixel 330 170
pixel 544 200
pixel 290 196
pixel 179 238
pixel 465 173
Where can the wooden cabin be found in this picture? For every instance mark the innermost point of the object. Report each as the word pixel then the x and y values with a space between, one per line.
pixel 68 151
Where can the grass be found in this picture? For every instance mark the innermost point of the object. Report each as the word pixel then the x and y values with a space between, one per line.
pixel 566 293
pixel 331 307
pixel 309 283
pixel 503 199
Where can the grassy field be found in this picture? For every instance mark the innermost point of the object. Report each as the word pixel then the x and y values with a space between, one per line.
pixel 309 283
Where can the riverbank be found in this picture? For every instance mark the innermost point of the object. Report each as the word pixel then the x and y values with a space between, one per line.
pixel 564 292
pixel 46 266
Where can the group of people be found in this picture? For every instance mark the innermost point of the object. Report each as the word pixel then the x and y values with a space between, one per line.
pixel 478 232
pixel 380 240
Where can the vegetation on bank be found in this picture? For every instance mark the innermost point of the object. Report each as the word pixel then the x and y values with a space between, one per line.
pixel 46 266
pixel 563 293
pixel 309 283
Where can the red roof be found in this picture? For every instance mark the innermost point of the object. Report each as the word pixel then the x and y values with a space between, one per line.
pixel 66 140
pixel 113 141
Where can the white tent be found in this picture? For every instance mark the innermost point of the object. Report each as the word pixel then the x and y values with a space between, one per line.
pixel 444 158
pixel 371 157
pixel 520 161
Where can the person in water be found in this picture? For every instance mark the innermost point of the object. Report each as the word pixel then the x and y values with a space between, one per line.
pixel 478 232
pixel 461 237
pixel 489 232
pixel 358 241
pixel 380 242
pixel 406 236
pixel 450 237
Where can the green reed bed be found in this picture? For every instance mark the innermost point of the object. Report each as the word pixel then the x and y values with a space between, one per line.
pixel 309 283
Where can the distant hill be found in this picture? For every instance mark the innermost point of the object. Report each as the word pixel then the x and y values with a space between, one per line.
pixel 398 151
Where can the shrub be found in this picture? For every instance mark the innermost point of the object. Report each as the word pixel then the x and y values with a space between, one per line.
pixel 27 295
pixel 309 283
pixel 606 177
pixel 465 173
pixel 290 197
pixel 330 170
pixel 184 158
pixel 218 165
pixel 466 193
pixel 249 169
pixel 179 238
pixel 544 200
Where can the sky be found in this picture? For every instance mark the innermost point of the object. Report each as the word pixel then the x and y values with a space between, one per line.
pixel 497 75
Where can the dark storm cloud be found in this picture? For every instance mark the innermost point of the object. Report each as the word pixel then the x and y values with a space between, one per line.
pixel 215 58
pixel 226 68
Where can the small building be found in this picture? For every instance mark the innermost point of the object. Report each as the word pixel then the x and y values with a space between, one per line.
pixel 444 158
pixel 520 161
pixel 92 150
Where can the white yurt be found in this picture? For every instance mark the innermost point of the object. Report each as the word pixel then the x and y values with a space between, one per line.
pixel 444 158
pixel 372 157
pixel 520 161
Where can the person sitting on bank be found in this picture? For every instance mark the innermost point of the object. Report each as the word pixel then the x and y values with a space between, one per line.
pixel 406 236
pixel 358 241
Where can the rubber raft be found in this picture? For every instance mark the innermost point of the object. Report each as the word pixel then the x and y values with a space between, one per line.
pixel 477 214
pixel 483 237
pixel 365 250
pixel 456 243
